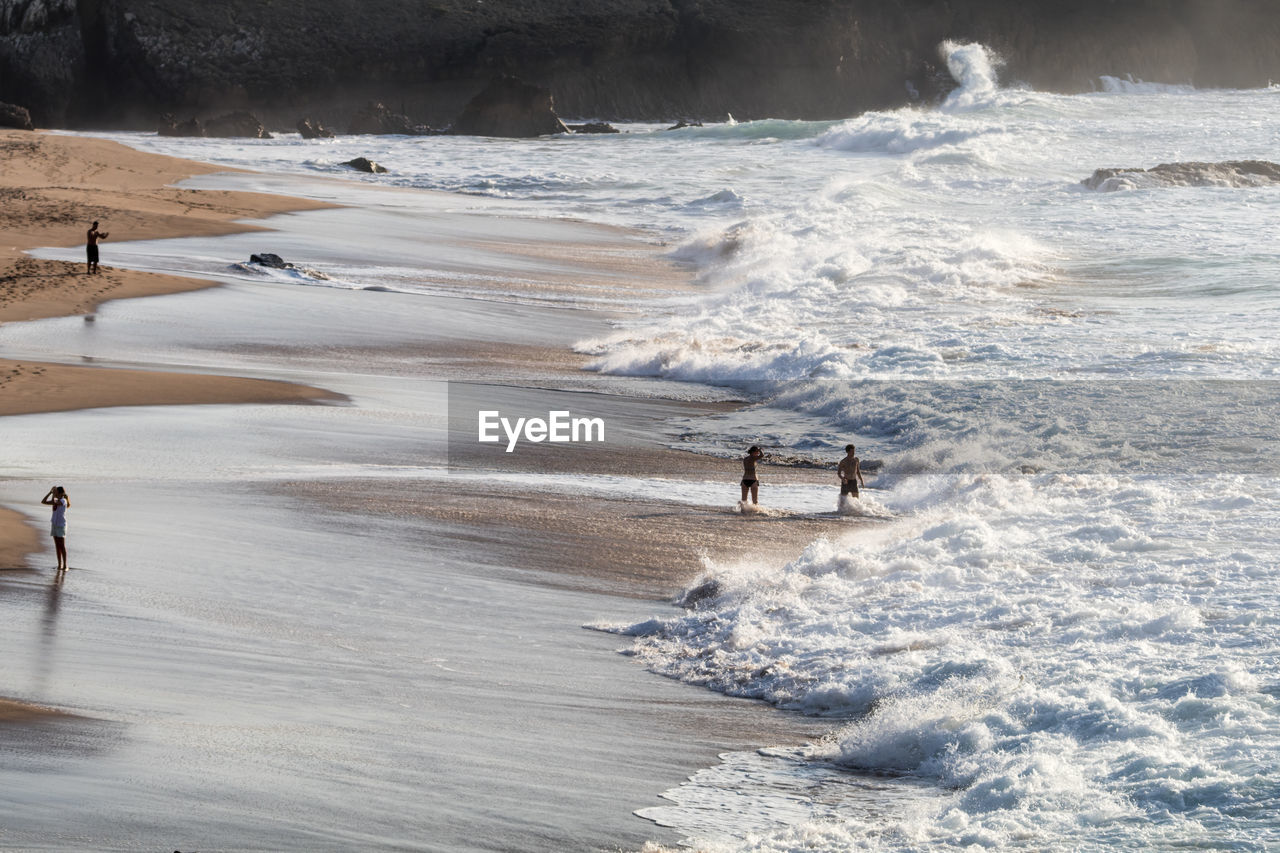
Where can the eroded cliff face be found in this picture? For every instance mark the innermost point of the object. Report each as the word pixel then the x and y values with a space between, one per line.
pixel 41 55
pixel 122 62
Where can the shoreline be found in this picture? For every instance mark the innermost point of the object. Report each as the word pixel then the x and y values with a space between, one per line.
pixel 52 186
pixel 624 547
pixel 31 387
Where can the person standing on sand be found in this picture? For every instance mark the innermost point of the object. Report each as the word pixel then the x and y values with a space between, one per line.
pixel 91 247
pixel 850 471
pixel 750 483
pixel 57 498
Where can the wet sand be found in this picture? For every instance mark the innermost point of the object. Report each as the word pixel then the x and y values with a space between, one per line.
pixel 51 188
pixel 635 546
pixel 18 539
pixel 322 617
pixel 24 712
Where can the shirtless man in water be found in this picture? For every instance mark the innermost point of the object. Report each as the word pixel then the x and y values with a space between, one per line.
pixel 750 483
pixel 850 471
pixel 91 246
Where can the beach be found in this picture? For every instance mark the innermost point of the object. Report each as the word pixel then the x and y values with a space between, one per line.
pixel 52 187
pixel 488 586
pixel 272 607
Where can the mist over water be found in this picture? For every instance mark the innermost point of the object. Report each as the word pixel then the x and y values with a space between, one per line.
pixel 1061 634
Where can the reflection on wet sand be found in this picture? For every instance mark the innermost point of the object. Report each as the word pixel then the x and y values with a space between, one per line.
pixel 17 589
pixel 49 631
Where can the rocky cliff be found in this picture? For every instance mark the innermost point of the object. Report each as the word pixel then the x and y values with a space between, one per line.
pixel 125 62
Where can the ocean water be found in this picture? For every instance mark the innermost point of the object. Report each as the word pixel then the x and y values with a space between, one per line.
pixel 1066 637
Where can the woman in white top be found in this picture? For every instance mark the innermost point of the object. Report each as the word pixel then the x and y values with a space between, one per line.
pixel 57 498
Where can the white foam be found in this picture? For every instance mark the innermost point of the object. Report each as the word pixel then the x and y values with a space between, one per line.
pixel 974 67
pixel 902 133
pixel 1062 628
pixel 1130 86
pixel 978 647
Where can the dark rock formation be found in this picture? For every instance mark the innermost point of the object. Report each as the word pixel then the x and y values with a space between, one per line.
pixel 272 261
pixel 594 127
pixel 236 124
pixel 170 126
pixel 377 119
pixel 15 116
pixel 509 107
pixel 313 130
pixel 267 259
pixel 1231 173
pixel 363 164
pixel 121 62
pixel 682 124
pixel 707 591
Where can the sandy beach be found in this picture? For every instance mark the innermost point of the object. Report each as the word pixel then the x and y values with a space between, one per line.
pixel 471 540
pixel 434 535
pixel 52 187
pixel 55 186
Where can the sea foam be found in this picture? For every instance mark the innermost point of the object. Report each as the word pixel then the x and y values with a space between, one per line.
pixel 1061 633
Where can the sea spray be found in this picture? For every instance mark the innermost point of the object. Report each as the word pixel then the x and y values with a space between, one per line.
pixel 1038 630
pixel 1065 636
pixel 975 68
pixel 1028 646
pixel 861 507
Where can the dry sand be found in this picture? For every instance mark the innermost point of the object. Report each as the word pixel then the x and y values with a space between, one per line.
pixel 32 387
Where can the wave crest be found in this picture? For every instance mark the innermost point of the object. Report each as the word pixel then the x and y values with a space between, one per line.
pixel 975 68
pixel 899 133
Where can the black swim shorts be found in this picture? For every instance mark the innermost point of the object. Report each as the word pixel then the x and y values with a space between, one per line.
pixel 749 483
pixel 93 253
pixel 849 487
